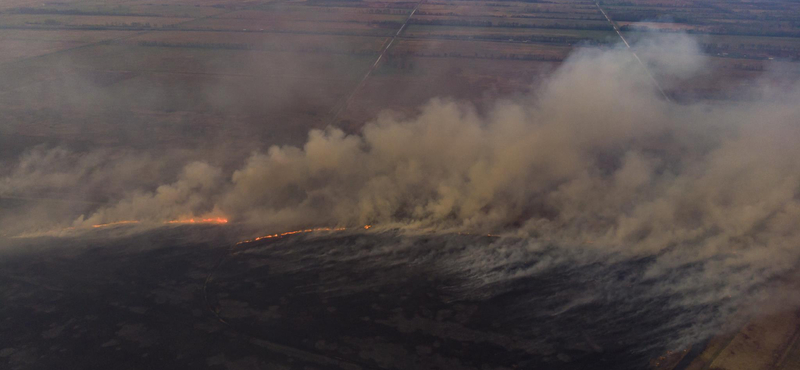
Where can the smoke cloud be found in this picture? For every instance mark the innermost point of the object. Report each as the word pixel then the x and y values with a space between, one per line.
pixel 594 160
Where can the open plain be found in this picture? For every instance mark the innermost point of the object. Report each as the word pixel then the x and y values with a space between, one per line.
pixel 176 76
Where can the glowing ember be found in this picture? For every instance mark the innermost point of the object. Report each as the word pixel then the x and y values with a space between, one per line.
pixel 218 220
pixel 287 233
pixel 116 223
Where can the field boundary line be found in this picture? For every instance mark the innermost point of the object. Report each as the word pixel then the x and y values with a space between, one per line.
pixel 339 108
pixel 101 42
pixel 646 70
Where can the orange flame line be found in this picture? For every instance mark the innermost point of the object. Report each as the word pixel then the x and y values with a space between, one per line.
pixel 220 220
pixel 217 220
pixel 116 223
pixel 287 233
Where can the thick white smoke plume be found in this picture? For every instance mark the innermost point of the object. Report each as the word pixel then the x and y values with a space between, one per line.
pixel 595 157
pixel 595 154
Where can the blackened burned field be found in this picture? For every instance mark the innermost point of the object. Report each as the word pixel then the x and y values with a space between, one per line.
pixel 181 298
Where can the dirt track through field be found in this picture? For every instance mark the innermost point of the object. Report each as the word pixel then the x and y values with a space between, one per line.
pixel 339 108
pixel 646 70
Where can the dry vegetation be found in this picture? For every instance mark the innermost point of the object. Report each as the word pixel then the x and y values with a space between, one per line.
pixel 111 72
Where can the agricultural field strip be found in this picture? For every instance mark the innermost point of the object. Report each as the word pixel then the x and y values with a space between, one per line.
pixel 121 38
pixel 189 42
pixel 353 32
pixel 485 42
pixel 219 74
pixel 705 15
pixel 647 70
pixel 226 15
pixel 303 13
pixel 443 13
pixel 73 21
pixel 236 28
pixel 35 82
pixel 767 39
pixel 372 68
pixel 500 30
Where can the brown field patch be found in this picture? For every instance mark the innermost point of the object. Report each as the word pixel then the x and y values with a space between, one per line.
pixel 336 28
pixel 267 41
pixel 216 61
pixel 81 36
pixel 316 14
pixel 476 80
pixel 505 33
pixel 20 49
pixel 57 20
pixel 479 49
pixel 515 22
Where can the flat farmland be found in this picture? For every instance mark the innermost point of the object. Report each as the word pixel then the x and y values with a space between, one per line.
pixel 80 36
pixel 155 64
pixel 512 22
pixel 733 46
pixel 479 49
pixel 725 78
pixel 18 44
pixel 779 18
pixel 114 71
pixel 119 8
pixel 264 41
pixel 84 21
pixel 95 85
pixel 16 49
pixel 264 94
pixel 514 34
pixel 221 61
pixel 12 4
pixel 320 14
pixel 304 27
pixel 403 86
pixel 508 9
pixel 217 80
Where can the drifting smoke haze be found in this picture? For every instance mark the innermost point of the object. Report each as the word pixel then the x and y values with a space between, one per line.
pixel 593 164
